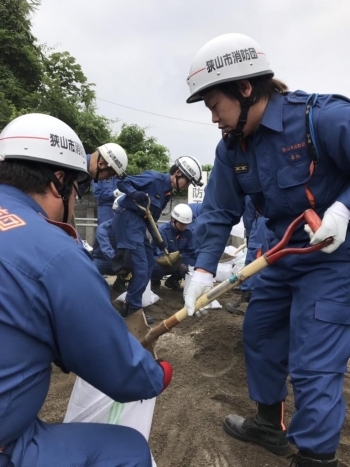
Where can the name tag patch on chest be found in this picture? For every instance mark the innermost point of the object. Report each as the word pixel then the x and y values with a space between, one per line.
pixel 241 168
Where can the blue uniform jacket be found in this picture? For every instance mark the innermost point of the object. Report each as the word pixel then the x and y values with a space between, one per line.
pixel 274 168
pixel 155 184
pixel 249 216
pixel 196 209
pixel 104 241
pixel 177 241
pixel 103 191
pixel 56 306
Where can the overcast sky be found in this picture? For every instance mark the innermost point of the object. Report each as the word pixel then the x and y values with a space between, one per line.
pixel 139 52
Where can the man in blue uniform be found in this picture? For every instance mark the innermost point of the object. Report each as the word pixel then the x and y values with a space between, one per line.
pixel 130 224
pixel 177 236
pixel 50 294
pixel 290 152
pixel 109 160
pixel 103 191
pixel 107 258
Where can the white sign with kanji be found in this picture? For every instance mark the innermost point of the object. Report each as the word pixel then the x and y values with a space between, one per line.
pixel 196 193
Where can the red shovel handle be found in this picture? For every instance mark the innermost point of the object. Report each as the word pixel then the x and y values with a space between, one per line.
pixel 312 219
pixel 278 251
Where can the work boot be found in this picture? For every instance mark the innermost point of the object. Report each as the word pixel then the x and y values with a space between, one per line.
pixel 119 285
pixel 264 429
pixel 173 282
pixel 124 310
pixel 155 285
pixel 149 318
pixel 234 307
pixel 298 460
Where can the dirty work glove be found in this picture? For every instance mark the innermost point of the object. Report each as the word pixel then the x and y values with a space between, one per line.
pixel 168 372
pixel 183 269
pixel 200 284
pixel 138 196
pixel 161 245
pixel 334 224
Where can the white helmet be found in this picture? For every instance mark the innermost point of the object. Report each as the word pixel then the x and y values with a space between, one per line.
pixel 115 157
pixel 46 139
pixel 182 213
pixel 115 202
pixel 191 168
pixel 229 57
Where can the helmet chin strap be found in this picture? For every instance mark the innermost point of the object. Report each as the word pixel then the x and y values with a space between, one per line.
pixel 98 170
pixel 174 224
pixel 177 178
pixel 64 189
pixel 237 134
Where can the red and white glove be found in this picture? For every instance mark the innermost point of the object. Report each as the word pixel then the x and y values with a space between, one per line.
pixel 200 284
pixel 168 372
pixel 334 224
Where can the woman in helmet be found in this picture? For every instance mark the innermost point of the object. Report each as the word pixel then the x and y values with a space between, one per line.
pixel 290 152
pixel 55 308
pixel 130 225
pixel 177 237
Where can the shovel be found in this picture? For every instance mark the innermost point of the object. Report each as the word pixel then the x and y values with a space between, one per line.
pixel 169 259
pixel 277 252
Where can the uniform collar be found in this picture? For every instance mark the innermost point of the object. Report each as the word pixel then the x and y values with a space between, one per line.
pixel 22 197
pixel 273 115
pixel 27 200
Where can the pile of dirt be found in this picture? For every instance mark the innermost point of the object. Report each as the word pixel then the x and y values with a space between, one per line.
pixel 209 383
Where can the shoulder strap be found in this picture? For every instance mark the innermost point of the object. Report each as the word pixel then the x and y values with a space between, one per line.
pixel 310 133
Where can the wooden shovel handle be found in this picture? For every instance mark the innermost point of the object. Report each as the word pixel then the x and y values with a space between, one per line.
pixel 277 252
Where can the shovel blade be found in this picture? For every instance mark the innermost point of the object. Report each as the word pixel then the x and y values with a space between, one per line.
pixel 172 259
pixel 138 327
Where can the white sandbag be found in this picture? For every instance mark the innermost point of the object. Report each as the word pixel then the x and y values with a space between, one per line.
pixel 230 250
pixel 188 278
pixel 223 271
pixel 238 230
pixel 214 305
pixel 88 404
pixel 148 296
pixel 241 255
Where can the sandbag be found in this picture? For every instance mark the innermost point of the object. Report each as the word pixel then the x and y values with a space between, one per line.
pixel 148 296
pixel 88 404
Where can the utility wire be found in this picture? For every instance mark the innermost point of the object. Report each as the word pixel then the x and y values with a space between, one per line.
pixel 153 113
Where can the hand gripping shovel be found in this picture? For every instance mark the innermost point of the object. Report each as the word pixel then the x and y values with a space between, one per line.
pixel 170 259
pixel 277 252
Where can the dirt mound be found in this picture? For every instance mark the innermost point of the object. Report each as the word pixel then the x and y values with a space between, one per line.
pixel 209 383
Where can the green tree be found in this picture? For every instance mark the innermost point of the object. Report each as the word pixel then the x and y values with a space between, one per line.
pixel 36 78
pixel 144 152
pixel 66 94
pixel 21 67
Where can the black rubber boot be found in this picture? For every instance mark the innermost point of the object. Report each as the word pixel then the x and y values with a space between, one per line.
pixel 305 459
pixel 234 307
pixel 119 285
pixel 124 310
pixel 173 282
pixel 155 285
pixel 264 429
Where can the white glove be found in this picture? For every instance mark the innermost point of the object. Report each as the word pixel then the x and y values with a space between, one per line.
pixel 117 192
pixel 334 224
pixel 200 284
